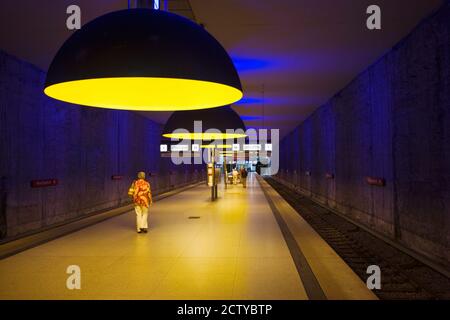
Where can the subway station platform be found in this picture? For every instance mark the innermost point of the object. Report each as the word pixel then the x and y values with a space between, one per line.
pixel 249 244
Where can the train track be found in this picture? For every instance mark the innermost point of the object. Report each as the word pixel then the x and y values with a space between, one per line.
pixel 402 276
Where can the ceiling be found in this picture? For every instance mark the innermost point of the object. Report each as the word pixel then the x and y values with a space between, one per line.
pixel 292 55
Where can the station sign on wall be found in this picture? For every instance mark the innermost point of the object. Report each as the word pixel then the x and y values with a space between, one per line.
pixel 43 183
pixel 375 181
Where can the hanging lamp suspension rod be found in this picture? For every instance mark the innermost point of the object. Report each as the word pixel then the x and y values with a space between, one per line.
pixel 153 4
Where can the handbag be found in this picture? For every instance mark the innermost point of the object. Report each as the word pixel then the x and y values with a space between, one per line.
pixel 131 190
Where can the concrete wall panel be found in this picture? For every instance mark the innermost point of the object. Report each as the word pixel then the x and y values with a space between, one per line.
pixel 391 122
pixel 81 147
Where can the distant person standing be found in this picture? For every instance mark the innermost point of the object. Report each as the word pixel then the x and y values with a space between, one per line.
pixel 142 198
pixel 258 167
pixel 235 176
pixel 244 175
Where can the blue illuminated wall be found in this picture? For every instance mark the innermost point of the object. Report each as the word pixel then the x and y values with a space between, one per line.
pixel 391 122
pixel 82 147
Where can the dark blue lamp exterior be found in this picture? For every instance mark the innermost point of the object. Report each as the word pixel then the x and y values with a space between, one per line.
pixel 142 43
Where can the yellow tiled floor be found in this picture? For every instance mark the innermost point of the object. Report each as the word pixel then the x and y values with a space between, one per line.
pixel 234 251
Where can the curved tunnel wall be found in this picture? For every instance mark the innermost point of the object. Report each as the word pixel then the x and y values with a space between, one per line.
pixel 82 147
pixel 391 122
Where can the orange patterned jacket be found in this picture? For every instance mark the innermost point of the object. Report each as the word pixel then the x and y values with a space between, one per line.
pixel 142 193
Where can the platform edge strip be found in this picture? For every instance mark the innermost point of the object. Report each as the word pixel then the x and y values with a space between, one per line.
pixel 312 286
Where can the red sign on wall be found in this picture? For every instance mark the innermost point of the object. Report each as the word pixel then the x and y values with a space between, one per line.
pixel 116 177
pixel 43 183
pixel 380 182
pixel 329 176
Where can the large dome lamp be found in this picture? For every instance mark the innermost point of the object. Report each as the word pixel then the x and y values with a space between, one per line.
pixel 217 125
pixel 222 119
pixel 143 59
